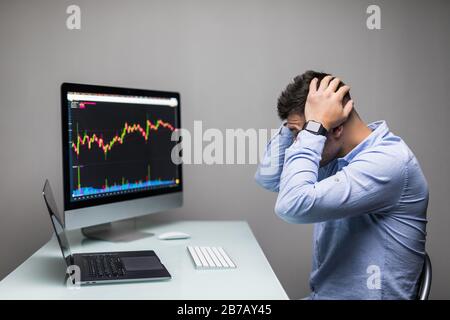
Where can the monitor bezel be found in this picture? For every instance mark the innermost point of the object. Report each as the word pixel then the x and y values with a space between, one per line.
pixel 90 88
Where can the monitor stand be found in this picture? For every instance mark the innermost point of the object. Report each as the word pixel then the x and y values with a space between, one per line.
pixel 121 231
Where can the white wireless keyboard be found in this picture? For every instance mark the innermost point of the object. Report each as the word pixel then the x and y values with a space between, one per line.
pixel 210 258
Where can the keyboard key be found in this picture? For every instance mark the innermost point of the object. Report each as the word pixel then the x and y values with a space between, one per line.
pixel 213 257
pixel 195 257
pixel 219 256
pixel 208 258
pixel 200 255
pixel 226 257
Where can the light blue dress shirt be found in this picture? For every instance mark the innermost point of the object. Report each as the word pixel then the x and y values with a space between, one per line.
pixel 369 210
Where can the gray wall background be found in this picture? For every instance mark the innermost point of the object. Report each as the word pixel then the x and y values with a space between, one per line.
pixel 229 60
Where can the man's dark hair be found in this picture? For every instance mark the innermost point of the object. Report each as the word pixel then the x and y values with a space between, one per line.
pixel 292 100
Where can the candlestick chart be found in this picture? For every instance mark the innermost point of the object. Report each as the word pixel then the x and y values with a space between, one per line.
pixel 119 148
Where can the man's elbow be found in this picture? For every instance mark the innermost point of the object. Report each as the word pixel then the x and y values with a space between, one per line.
pixel 290 212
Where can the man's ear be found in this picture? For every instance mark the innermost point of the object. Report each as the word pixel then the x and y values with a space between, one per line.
pixel 337 132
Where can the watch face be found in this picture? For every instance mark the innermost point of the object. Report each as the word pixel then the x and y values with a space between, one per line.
pixel 313 126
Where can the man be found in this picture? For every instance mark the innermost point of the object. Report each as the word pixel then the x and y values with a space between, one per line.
pixel 359 184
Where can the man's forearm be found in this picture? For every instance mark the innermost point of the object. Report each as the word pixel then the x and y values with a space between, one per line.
pixel 300 173
pixel 271 166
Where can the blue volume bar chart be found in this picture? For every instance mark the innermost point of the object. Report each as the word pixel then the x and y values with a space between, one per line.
pixel 123 186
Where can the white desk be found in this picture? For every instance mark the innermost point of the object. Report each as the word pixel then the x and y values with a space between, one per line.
pixel 42 275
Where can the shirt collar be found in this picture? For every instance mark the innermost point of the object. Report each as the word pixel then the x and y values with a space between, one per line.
pixel 379 130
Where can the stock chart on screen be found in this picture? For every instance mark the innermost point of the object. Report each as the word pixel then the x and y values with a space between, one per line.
pixel 120 144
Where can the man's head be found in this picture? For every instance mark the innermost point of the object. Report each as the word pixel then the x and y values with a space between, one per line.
pixel 291 107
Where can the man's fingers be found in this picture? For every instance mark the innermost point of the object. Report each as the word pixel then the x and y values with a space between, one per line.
pixel 294 127
pixel 324 83
pixel 342 92
pixel 334 84
pixel 313 85
pixel 348 108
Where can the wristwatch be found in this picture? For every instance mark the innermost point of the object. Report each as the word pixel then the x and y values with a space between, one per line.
pixel 315 128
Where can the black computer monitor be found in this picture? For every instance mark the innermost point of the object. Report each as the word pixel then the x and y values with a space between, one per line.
pixel 117 146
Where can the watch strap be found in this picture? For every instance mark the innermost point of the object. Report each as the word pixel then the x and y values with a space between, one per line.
pixel 315 128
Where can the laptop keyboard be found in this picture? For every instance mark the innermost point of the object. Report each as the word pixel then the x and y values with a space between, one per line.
pixel 104 266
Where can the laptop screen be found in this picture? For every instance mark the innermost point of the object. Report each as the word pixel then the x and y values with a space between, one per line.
pixel 57 225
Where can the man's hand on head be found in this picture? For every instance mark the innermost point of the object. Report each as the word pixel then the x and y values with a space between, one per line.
pixel 324 104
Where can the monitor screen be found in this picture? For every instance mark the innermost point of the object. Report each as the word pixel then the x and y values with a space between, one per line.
pixel 117 144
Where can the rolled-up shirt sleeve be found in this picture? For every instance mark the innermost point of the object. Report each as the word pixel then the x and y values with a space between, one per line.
pixel 371 182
